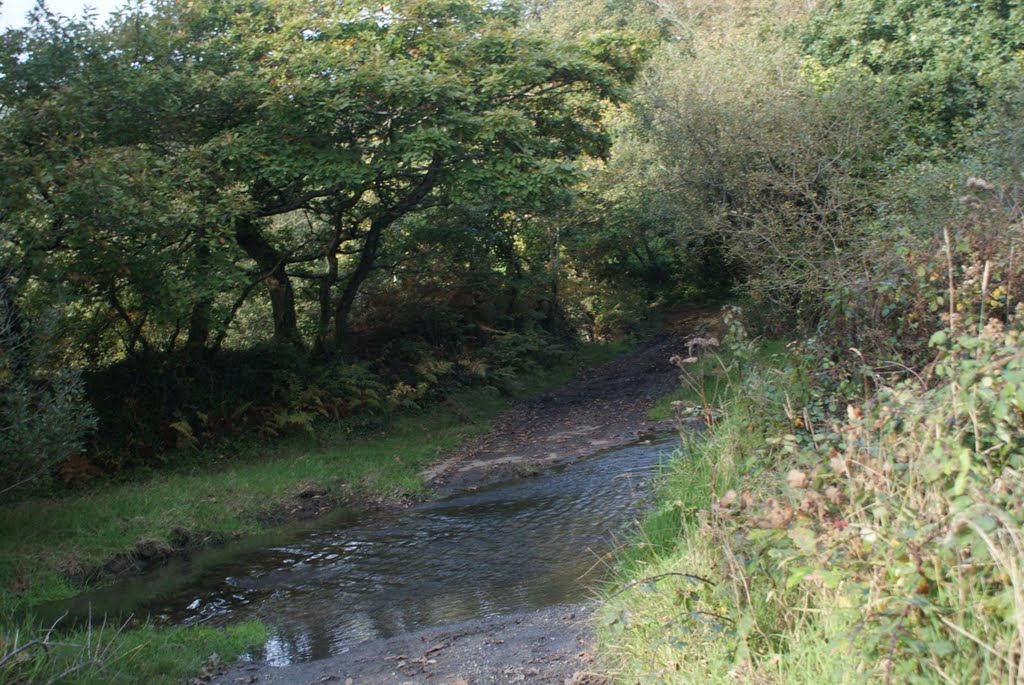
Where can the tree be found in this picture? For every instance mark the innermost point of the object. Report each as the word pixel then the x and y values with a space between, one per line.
pixel 944 62
pixel 180 161
pixel 106 201
pixel 423 105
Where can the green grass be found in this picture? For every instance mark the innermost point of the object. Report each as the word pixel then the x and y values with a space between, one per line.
pixel 157 656
pixel 792 544
pixel 671 615
pixel 47 541
pixel 684 489
pixel 712 379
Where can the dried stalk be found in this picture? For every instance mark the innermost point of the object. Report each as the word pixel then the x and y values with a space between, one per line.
pixel 952 286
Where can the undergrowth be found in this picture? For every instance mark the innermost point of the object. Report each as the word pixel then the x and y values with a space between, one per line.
pixel 793 544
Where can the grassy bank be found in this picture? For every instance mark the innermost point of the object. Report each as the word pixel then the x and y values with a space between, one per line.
pixel 55 548
pixel 106 655
pixel 794 543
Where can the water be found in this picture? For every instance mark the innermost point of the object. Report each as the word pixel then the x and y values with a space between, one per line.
pixel 520 545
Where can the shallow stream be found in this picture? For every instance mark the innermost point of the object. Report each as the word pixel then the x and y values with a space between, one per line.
pixel 519 545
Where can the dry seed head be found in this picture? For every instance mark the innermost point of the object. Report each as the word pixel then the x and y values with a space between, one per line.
pixel 680 361
pixel 813 504
pixel 700 345
pixel 727 499
pixel 797 479
pixel 833 494
pixel 840 466
pixel 776 515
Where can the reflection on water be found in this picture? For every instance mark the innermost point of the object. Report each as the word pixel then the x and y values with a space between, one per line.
pixel 520 545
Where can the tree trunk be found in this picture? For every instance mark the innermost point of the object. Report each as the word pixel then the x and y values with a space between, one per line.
pixel 368 255
pixel 554 322
pixel 198 329
pixel 322 346
pixel 279 285
pixel 367 259
pixel 199 320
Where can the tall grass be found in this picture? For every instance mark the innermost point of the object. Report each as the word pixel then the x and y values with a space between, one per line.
pixel 31 653
pixel 881 545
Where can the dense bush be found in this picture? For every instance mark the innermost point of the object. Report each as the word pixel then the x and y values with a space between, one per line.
pixel 799 545
pixel 945 64
pixel 813 159
pixel 153 412
pixel 274 177
pixel 44 415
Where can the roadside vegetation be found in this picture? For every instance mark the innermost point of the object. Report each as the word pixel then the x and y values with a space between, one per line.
pixel 853 512
pixel 794 544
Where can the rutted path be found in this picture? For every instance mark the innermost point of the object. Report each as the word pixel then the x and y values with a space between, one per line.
pixel 604 408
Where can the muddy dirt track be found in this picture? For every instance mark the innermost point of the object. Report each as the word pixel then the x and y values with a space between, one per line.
pixel 605 407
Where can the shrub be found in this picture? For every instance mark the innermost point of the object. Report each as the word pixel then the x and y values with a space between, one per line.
pixel 883 544
pixel 44 416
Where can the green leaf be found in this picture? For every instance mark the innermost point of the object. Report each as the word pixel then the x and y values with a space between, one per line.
pixel 796 576
pixel 964 457
pixel 804 538
pixel 986 523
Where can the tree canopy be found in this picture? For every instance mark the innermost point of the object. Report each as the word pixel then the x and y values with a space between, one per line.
pixel 209 175
pixel 168 167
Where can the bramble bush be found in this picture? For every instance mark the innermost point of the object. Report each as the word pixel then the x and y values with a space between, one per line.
pixel 908 516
